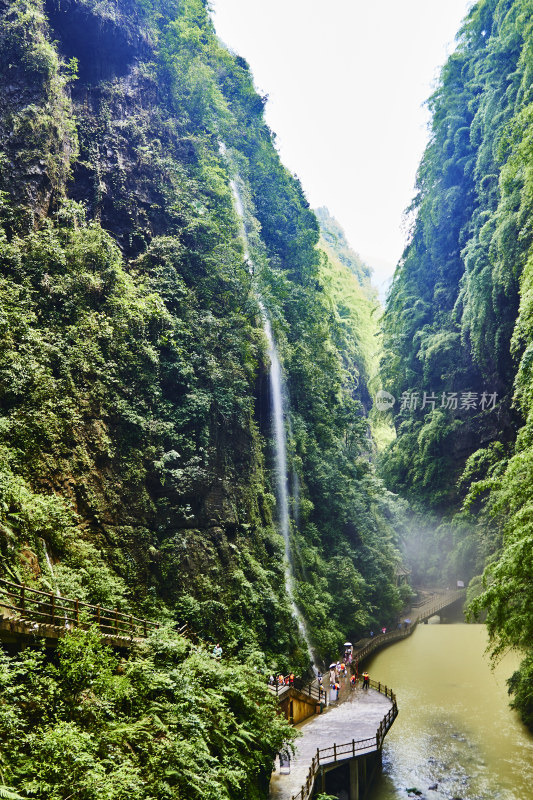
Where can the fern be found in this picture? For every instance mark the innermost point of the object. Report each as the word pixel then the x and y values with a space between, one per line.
pixel 8 794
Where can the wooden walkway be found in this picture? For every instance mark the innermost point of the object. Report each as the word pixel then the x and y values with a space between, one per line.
pixel 437 601
pixel 26 613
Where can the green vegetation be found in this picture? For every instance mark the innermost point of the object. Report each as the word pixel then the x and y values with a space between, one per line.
pixel 135 409
pixel 357 313
pixel 458 320
pixel 335 244
pixel 168 722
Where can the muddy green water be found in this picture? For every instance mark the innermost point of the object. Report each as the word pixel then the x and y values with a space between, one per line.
pixel 454 728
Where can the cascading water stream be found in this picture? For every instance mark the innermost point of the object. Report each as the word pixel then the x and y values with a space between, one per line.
pixel 280 451
pixel 52 574
pixel 48 560
pixel 280 436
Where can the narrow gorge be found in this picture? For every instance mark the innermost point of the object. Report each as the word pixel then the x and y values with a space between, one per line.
pixel 192 363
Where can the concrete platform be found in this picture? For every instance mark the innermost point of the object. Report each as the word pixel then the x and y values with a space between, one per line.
pixel 358 717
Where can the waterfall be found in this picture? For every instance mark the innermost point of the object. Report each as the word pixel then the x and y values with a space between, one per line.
pixel 280 451
pixel 280 436
pixel 280 442
pixel 49 563
pixel 52 574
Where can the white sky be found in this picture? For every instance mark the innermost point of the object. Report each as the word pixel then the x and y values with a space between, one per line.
pixel 346 81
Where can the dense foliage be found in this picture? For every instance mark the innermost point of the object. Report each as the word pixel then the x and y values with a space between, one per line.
pixel 458 321
pixel 168 722
pixel 335 242
pixel 136 456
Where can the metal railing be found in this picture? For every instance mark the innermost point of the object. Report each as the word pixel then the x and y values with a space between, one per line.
pixel 400 633
pixel 47 608
pixel 341 752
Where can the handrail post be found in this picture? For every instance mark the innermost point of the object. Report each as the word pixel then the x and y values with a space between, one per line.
pixel 98 614
pixel 116 620
pixel 353 747
pixel 77 607
pixel 131 625
pixel 334 751
pixel 53 605
pixel 23 597
pixel 145 630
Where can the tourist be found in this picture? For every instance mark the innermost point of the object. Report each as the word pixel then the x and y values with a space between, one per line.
pixel 352 682
pixel 366 680
pixel 291 679
pixel 217 651
pixel 319 678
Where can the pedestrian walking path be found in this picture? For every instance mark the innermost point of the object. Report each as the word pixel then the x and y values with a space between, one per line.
pixel 350 726
pixel 27 613
pixel 358 721
pixel 433 602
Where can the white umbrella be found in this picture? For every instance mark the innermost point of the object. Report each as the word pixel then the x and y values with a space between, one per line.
pixel 347 644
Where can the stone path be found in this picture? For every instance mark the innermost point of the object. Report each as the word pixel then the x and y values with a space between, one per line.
pixel 358 717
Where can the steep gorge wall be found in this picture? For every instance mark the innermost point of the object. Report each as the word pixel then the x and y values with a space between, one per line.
pixel 133 381
pixel 458 321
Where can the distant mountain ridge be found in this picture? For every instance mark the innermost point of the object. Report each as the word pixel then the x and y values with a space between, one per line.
pixel 335 237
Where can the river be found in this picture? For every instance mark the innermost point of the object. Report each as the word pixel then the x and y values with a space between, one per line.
pixel 455 728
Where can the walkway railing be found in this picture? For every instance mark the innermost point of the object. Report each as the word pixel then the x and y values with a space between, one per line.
pixel 341 752
pixel 46 608
pixel 310 688
pixel 425 611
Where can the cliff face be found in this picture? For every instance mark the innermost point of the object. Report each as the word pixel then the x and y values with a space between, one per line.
pixel 458 325
pixel 134 375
